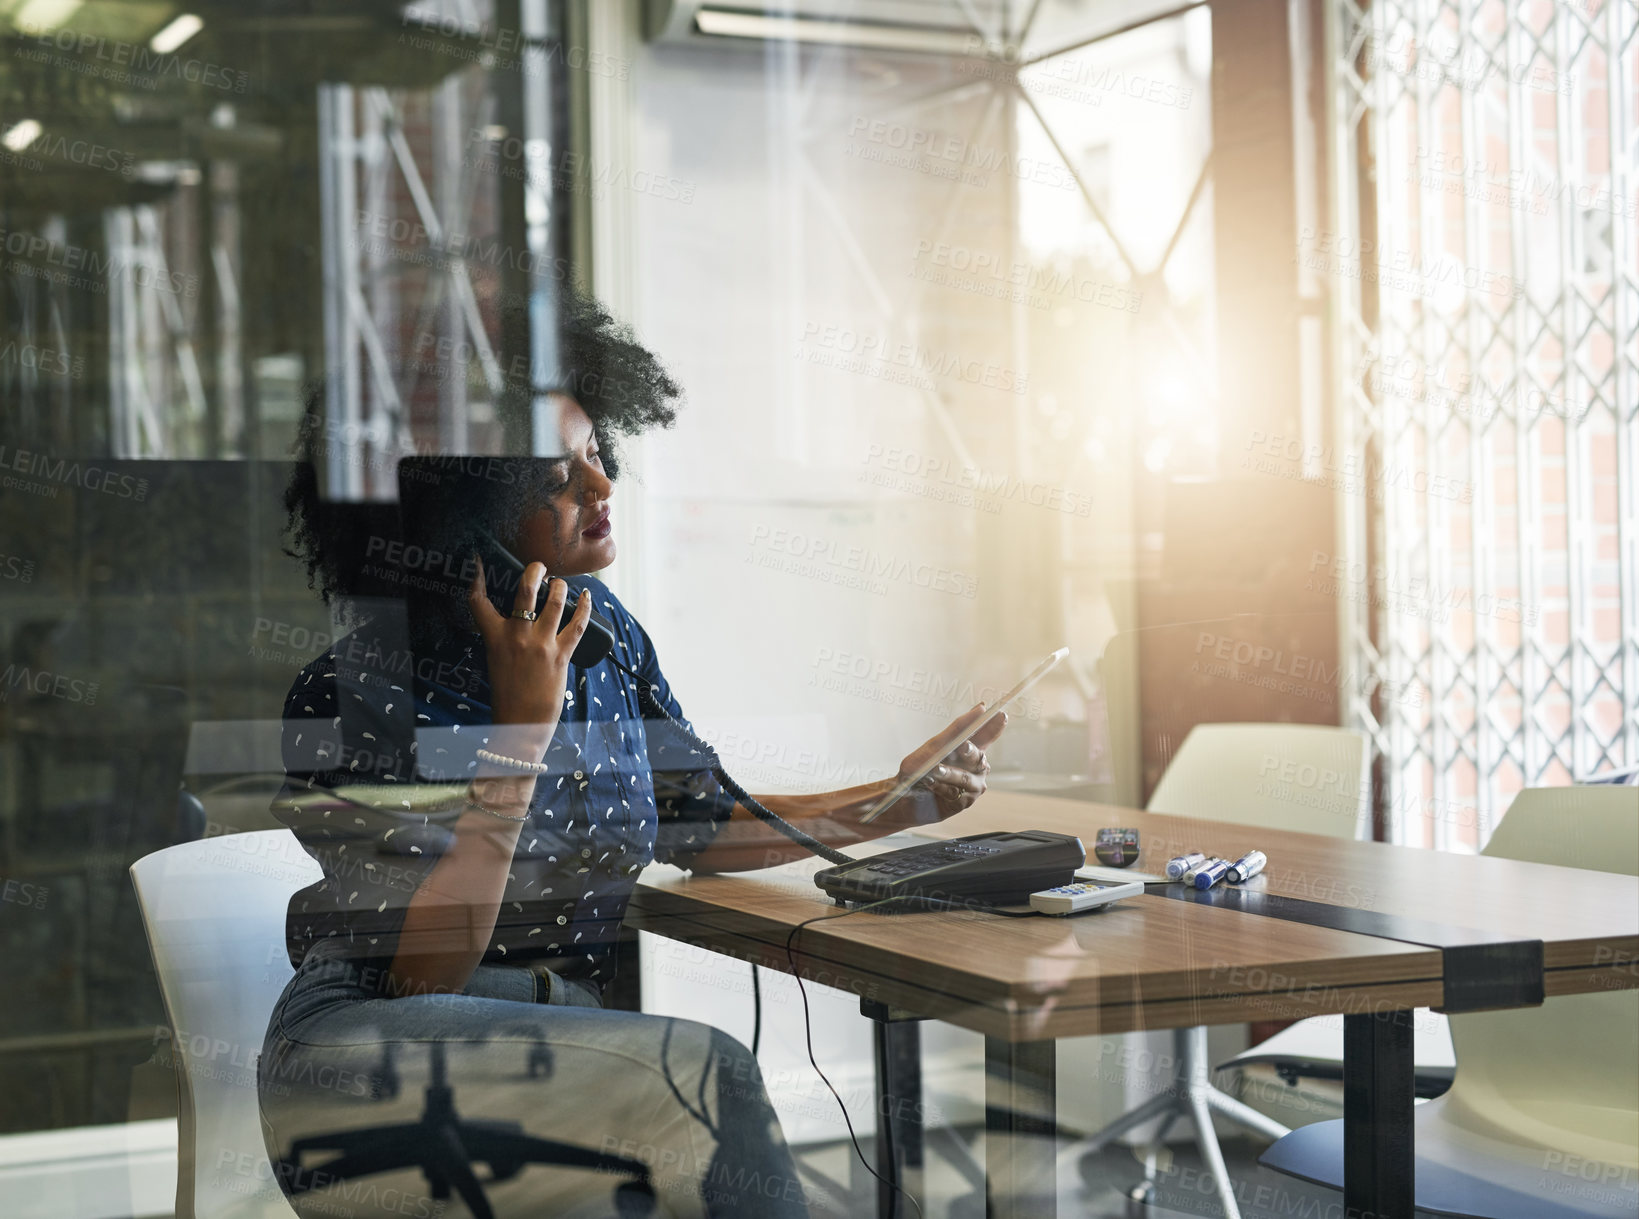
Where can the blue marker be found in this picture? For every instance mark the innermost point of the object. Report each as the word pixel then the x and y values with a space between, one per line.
pixel 1179 864
pixel 1189 877
pixel 1247 866
pixel 1211 873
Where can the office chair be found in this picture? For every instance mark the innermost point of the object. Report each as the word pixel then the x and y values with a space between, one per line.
pixel 214 912
pixel 1313 1049
pixel 1542 1119
pixel 1232 772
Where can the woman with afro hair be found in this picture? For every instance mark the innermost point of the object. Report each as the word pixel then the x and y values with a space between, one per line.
pixel 452 969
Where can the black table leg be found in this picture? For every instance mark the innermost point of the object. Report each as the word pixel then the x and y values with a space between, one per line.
pixel 1379 1162
pixel 1021 1125
pixel 898 1045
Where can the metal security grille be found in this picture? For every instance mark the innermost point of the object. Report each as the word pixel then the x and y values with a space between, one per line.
pixel 1482 263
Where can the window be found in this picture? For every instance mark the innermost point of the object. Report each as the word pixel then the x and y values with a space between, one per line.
pixel 1487 381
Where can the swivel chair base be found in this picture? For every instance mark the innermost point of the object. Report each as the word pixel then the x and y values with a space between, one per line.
pixel 1190 1095
pixel 444 1147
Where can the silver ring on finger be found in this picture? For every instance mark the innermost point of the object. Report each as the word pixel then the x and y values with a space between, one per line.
pixel 526 615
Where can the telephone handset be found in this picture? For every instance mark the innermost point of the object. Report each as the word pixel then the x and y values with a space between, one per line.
pixel 599 639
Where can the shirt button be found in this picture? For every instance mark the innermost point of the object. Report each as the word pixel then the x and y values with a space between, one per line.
pixel 586 852
pixel 578 775
pixel 562 919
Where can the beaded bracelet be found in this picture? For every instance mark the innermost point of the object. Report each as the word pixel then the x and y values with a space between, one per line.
pixel 513 764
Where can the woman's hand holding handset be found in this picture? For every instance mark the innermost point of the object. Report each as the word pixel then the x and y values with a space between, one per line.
pixel 528 661
pixel 528 672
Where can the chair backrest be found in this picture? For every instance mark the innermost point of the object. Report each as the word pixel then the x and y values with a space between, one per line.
pixel 214 911
pixel 1306 777
pixel 1565 1074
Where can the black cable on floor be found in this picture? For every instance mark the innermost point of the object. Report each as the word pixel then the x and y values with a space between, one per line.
pixel 911 903
pixel 808 1035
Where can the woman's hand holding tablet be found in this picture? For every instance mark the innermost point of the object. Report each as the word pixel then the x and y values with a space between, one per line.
pixel 953 762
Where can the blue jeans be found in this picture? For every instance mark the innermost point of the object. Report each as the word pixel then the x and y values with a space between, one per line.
pixel 682 1098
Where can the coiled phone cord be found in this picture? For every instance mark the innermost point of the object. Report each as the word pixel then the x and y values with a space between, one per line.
pixel 646 696
pixel 652 703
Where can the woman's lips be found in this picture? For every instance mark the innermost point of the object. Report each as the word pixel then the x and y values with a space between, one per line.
pixel 600 530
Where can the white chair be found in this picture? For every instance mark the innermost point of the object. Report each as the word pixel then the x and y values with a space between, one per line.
pixel 1313 1049
pixel 1319 788
pixel 1542 1119
pixel 214 911
pixel 1302 777
pixel 1305 777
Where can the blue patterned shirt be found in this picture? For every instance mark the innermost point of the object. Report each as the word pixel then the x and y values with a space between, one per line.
pixel 619 794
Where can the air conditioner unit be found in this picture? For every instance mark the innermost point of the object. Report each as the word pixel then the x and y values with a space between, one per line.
pixel 927 27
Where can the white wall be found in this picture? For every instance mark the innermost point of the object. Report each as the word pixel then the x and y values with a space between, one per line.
pixel 775 239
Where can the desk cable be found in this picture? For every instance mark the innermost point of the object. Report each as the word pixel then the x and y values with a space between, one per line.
pixel 808 1037
pixel 912 903
pixel 651 703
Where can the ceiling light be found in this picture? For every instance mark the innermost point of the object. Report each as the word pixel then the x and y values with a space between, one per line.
pixel 181 28
pixel 45 16
pixel 22 135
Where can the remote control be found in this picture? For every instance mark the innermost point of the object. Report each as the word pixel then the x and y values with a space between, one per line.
pixel 1083 895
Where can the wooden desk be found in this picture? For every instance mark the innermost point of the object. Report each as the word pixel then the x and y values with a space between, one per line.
pixel 1465 938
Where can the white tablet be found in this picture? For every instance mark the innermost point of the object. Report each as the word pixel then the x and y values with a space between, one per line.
pixel 962 734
